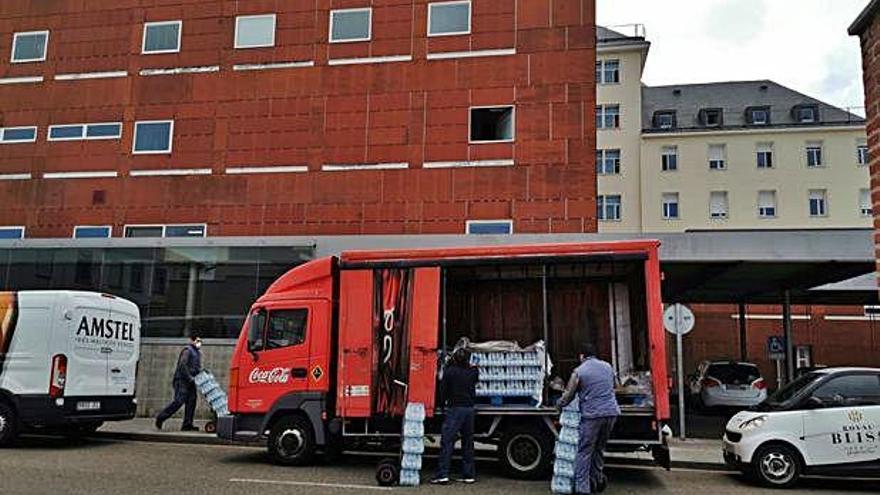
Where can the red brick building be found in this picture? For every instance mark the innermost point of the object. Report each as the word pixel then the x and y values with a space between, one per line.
pixel 867 27
pixel 297 118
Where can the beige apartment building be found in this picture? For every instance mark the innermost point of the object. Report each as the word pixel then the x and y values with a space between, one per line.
pixel 720 156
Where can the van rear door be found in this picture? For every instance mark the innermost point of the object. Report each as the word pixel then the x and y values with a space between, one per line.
pixel 122 362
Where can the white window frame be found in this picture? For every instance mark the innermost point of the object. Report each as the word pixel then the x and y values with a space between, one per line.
pixel 869 211
pixel 602 202
pixel 762 111
pixel 453 33
pixel 179 24
pixel 512 124
pixel 469 223
pixel 108 227
pixel 84 136
pixel 602 80
pixel 601 110
pixel 602 157
pixel 810 146
pixel 17 128
pixel 164 228
pixel 352 40
pixel 824 210
pixel 726 213
pixel 719 163
pixel 22 228
pixel 153 152
pixel 677 204
pixel 666 151
pixel 759 150
pixel 761 213
pixel 862 154
pixel 238 20
pixel 15 37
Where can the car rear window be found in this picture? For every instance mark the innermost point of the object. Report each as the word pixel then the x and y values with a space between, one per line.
pixel 734 373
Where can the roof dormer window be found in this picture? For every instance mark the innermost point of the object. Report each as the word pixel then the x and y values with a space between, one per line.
pixel 712 117
pixel 758 115
pixel 665 119
pixel 806 114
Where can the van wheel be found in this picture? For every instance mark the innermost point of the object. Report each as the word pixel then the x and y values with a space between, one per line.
pixel 8 425
pixel 526 452
pixel 292 441
pixel 776 466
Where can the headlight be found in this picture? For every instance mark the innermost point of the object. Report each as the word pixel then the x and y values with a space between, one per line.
pixel 753 423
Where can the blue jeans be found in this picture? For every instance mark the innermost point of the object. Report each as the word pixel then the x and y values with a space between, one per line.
pixel 590 462
pixel 459 420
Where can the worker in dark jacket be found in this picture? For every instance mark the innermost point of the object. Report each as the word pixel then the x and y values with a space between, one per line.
pixel 592 383
pixel 458 391
pixel 189 364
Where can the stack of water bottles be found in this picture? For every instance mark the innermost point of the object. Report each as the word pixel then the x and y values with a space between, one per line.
pixel 211 391
pixel 510 374
pixel 413 444
pixel 566 449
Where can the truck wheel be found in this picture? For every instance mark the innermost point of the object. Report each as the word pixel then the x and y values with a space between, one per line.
pixel 526 453
pixel 292 441
pixel 776 466
pixel 388 473
pixel 8 425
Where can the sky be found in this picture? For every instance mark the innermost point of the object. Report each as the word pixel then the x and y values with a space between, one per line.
pixel 802 44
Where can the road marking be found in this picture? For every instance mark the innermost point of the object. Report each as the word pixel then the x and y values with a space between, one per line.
pixel 314 485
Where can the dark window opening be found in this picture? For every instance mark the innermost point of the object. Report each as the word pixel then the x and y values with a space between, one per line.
pixel 492 124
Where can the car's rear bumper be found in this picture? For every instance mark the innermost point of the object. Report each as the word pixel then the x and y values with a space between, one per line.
pixel 45 411
pixel 731 400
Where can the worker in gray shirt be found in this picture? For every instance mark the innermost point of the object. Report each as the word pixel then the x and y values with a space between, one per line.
pixel 593 384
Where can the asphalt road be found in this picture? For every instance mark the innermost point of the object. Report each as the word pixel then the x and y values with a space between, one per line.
pixel 56 466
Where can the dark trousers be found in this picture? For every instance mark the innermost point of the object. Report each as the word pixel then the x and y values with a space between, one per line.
pixel 589 469
pixel 459 420
pixel 184 395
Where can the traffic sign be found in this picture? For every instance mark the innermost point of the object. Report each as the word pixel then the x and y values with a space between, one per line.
pixel 678 319
pixel 776 347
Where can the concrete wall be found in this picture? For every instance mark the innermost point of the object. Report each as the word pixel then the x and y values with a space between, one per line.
pixel 158 360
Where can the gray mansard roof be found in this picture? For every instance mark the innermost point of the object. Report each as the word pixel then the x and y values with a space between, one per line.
pixel 734 98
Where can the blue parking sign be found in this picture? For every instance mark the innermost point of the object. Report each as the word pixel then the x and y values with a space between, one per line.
pixel 776 347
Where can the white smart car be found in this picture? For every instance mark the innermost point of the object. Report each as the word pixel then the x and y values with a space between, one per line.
pixel 826 422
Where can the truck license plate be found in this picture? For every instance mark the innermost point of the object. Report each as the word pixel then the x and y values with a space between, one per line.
pixel 88 406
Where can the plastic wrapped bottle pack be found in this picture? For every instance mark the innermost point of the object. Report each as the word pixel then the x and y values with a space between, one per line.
pixel 413 444
pixel 566 450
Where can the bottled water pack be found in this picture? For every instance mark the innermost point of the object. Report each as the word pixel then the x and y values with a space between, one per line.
pixel 563 469
pixel 411 462
pixel 409 477
pixel 561 485
pixel 570 419
pixel 415 411
pixel 568 436
pixel 565 452
pixel 413 429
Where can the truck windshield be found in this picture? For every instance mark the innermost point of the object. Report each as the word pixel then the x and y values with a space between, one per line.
pixel 791 390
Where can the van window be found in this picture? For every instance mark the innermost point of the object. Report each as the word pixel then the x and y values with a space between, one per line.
pixel 854 389
pixel 255 331
pixel 286 328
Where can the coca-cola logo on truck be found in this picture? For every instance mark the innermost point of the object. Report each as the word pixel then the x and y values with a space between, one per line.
pixel 275 375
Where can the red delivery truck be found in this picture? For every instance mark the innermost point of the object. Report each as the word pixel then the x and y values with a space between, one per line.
pixel 331 354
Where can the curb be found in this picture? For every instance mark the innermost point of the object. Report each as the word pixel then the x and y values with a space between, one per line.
pixel 209 439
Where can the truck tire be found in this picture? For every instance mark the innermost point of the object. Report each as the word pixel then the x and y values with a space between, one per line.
pixel 292 441
pixel 526 452
pixel 776 466
pixel 8 425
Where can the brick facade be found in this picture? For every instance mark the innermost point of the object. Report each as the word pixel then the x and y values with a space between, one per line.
pixel 411 111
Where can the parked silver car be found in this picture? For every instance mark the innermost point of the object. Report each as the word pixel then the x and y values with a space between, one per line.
pixel 727 384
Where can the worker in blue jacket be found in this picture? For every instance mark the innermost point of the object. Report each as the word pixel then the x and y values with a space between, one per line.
pixel 593 384
pixel 458 393
pixel 189 364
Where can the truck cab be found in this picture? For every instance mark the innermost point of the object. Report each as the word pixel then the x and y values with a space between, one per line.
pixel 332 353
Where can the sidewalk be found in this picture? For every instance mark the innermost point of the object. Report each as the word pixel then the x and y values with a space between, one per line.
pixel 688 454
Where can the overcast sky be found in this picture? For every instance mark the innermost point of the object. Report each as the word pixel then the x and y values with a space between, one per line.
pixel 802 44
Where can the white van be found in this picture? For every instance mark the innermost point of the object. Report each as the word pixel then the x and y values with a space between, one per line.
pixel 826 422
pixel 68 361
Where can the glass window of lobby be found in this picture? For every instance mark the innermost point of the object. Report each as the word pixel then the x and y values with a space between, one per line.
pixel 255 31
pixel 449 18
pixel 350 25
pixel 29 46
pixel 153 136
pixel 162 37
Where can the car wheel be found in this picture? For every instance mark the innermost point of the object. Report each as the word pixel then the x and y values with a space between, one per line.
pixel 776 466
pixel 292 441
pixel 8 425
pixel 526 453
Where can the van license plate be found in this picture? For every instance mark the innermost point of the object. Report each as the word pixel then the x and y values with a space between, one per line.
pixel 88 406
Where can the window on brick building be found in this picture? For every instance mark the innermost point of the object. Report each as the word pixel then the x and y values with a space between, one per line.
pixel 75 132
pixel 609 207
pixel 162 37
pixel 670 206
pixel 492 124
pixel 174 230
pixel 767 204
pixel 29 47
pixel 764 155
pixel 865 207
pixel 255 31
pixel 818 202
pixel 92 231
pixel 607 162
pixel 12 135
pixel 669 158
pixel 153 136
pixel 449 18
pixel 350 25
pixel 12 232
pixel 489 227
pixel 719 205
